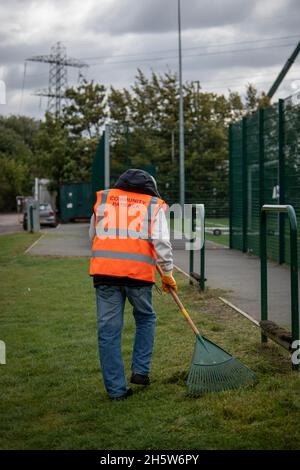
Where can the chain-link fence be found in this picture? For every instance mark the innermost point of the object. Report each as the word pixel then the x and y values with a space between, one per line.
pixel 264 169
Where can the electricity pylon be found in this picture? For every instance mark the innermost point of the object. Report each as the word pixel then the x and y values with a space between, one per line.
pixel 58 76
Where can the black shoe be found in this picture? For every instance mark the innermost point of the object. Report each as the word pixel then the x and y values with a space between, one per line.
pixel 140 379
pixel 123 397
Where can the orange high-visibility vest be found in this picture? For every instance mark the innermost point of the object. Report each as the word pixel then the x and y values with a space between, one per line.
pixel 122 246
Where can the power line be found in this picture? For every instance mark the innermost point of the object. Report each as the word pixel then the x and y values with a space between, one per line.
pixel 190 55
pixel 192 48
pixel 175 57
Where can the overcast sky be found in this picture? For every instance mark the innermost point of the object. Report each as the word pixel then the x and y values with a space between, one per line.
pixel 226 43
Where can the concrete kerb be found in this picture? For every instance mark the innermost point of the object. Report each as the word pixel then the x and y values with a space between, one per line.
pixel 34 243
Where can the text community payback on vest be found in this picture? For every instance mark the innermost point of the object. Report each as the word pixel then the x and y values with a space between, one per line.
pixel 123 244
pixel 125 215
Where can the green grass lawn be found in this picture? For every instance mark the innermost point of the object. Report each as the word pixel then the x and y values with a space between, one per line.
pixel 219 222
pixel 220 239
pixel 51 392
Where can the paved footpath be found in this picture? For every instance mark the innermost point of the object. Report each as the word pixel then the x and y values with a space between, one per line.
pixel 236 273
pixel 10 223
pixel 239 275
pixel 64 240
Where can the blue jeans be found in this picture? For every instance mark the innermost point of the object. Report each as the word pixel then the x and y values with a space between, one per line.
pixel 110 313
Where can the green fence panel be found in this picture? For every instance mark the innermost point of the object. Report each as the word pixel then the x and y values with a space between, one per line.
pixel 292 165
pixel 253 174
pixel 271 178
pixel 265 169
pixel 157 151
pixel 236 175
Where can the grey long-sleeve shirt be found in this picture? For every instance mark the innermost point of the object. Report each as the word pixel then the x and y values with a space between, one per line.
pixel 160 240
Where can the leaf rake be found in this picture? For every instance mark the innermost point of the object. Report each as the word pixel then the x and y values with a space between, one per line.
pixel 212 368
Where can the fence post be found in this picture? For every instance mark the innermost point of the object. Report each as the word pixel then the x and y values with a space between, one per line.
pixel 294 276
pixel 107 156
pixel 244 184
pixel 281 182
pixel 261 156
pixel 31 218
pixel 263 271
pixel 193 228
pixel 263 222
pixel 202 261
pixel 230 185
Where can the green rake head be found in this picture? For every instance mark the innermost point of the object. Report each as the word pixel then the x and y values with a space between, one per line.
pixel 214 370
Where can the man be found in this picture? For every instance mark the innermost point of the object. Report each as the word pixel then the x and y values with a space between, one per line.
pixel 130 234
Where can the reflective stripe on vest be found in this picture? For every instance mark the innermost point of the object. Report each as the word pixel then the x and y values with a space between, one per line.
pixel 121 233
pixel 123 255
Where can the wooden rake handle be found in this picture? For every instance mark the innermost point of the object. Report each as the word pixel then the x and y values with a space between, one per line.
pixel 180 305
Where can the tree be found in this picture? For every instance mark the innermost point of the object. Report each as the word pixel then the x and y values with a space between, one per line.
pixel 149 112
pixel 85 112
pixel 67 144
pixel 16 159
pixel 55 158
pixel 14 180
pixel 144 134
pixel 25 127
pixel 255 101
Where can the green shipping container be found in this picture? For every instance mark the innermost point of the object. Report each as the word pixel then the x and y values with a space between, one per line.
pixel 76 201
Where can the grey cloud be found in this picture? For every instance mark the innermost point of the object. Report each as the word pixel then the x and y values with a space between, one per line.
pixel 131 26
pixel 17 53
pixel 136 16
pixel 283 21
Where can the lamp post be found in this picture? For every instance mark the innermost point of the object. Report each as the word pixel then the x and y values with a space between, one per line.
pixel 181 118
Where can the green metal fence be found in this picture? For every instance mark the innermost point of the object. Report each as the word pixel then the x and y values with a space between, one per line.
pixel 236 185
pixel 264 169
pixel 157 151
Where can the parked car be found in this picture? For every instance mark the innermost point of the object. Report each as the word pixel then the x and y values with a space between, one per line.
pixel 47 216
